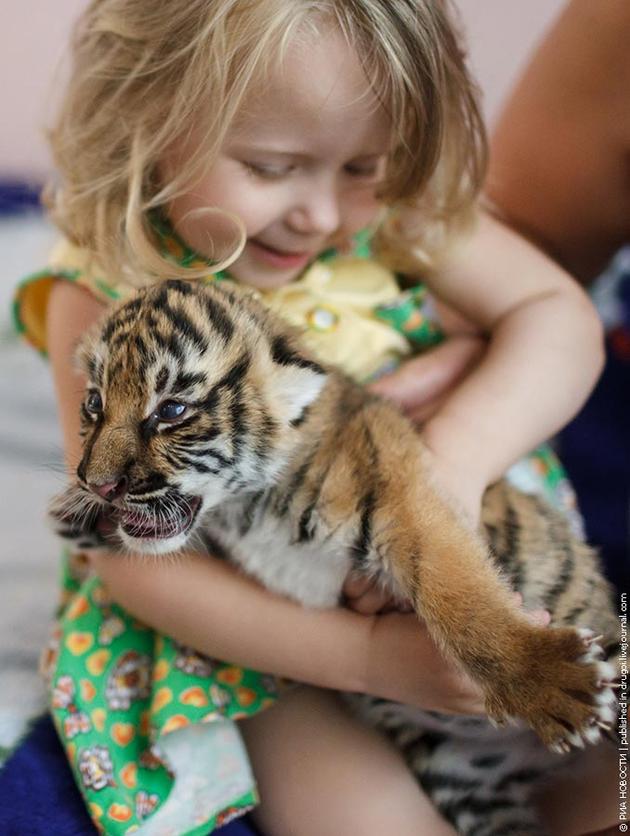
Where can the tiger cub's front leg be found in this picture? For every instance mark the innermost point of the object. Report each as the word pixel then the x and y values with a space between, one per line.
pixel 549 677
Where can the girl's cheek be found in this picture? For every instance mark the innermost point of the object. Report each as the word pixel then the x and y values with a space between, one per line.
pixel 364 213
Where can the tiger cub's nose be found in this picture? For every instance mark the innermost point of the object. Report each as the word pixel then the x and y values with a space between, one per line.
pixel 110 490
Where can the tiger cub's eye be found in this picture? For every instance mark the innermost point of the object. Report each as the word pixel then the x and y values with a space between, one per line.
pixel 170 410
pixel 94 403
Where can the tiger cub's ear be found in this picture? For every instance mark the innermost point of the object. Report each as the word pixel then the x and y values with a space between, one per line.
pixel 294 381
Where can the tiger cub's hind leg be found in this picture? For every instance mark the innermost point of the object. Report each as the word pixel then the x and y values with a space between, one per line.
pixel 480 790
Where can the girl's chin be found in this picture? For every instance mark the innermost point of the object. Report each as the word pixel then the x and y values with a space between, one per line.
pixel 261 276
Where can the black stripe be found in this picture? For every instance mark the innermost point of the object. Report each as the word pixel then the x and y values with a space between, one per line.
pixel 161 380
pixel 176 429
pixel 363 543
pixel 120 318
pixel 511 557
pixel 219 318
pixel 160 298
pixel 200 436
pixel 179 286
pixel 153 482
pixel 283 354
pixel 440 780
pixel 200 467
pixel 235 375
pixel 186 380
pixel 249 512
pixel 564 577
pixel 170 343
pixel 301 418
pixel 284 499
pixel 95 370
pixel 193 455
pixel 488 761
pixel 147 355
pixel 119 341
pixel 424 744
pixel 185 327
pixel 238 413
pixel 266 434
pixel 306 532
pixel 521 776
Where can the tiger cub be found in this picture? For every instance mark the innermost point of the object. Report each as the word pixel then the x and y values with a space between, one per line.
pixel 204 414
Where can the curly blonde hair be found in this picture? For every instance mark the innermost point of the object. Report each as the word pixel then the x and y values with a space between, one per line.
pixel 144 72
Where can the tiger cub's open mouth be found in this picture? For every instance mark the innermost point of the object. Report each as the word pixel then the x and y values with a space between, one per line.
pixel 167 519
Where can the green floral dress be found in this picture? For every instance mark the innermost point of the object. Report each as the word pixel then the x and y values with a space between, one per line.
pixel 148 725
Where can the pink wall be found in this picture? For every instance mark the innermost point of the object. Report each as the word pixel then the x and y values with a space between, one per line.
pixel 33 35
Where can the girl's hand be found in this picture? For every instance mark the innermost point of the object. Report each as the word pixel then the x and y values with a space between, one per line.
pixel 420 385
pixel 366 596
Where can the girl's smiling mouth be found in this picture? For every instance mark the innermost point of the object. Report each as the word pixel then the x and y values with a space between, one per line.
pixel 278 258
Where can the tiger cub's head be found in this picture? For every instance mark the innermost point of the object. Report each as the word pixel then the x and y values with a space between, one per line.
pixel 195 393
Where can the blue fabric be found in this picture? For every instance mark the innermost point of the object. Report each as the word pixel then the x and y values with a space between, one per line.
pixel 16 197
pixel 602 478
pixel 595 449
pixel 38 796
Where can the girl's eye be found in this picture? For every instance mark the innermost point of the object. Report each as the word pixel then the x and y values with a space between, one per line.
pixel 170 410
pixel 366 171
pixel 268 172
pixel 94 403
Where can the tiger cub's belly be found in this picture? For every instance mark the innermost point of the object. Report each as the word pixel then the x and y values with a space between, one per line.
pixel 310 573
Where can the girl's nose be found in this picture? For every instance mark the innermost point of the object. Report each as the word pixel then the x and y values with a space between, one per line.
pixel 317 212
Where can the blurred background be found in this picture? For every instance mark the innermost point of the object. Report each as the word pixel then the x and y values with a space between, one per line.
pixel 33 39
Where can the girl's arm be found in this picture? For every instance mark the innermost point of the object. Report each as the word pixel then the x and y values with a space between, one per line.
pixel 559 167
pixel 207 604
pixel 544 354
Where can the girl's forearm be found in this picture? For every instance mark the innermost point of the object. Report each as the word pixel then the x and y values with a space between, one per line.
pixel 206 604
pixel 525 389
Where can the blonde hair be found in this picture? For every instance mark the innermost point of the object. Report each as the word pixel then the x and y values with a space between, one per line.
pixel 145 72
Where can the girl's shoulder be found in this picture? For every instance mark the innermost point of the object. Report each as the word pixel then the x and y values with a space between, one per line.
pixel 67 263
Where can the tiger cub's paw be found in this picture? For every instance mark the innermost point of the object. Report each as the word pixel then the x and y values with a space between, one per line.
pixel 77 517
pixel 562 691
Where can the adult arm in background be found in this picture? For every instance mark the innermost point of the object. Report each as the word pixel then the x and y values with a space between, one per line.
pixel 560 154
pixel 560 175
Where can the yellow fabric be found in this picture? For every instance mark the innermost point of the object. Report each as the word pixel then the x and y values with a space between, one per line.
pixel 333 302
pixel 33 301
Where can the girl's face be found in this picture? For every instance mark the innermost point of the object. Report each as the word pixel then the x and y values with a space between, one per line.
pixel 300 165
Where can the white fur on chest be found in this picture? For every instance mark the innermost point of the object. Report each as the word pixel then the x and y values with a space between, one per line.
pixel 311 573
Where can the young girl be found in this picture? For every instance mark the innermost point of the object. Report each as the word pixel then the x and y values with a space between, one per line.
pixel 307 126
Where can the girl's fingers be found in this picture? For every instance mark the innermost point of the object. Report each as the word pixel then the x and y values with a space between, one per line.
pixel 370 603
pixel 431 375
pixel 540 617
pixel 356 585
pixel 365 596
